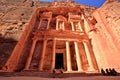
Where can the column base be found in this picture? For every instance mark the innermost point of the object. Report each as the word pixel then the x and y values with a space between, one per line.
pixel 91 69
pixel 40 69
pixel 68 71
pixel 80 70
pixel 74 72
pixel 25 69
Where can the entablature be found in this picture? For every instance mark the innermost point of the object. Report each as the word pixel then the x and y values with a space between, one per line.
pixel 46 15
pixel 74 17
pixel 60 34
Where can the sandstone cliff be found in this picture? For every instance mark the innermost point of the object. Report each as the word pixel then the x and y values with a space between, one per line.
pixel 15 15
pixel 13 19
pixel 108 32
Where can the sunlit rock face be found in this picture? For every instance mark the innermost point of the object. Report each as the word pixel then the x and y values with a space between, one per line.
pixel 111 13
pixel 108 31
pixel 14 16
pixel 66 23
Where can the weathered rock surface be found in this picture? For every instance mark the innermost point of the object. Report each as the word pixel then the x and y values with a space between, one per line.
pixel 110 18
pixel 108 30
pixel 111 13
pixel 15 15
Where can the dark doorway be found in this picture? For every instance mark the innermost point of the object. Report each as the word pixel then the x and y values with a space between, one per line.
pixel 59 61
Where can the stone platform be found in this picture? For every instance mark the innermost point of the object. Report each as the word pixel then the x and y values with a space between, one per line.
pixel 51 75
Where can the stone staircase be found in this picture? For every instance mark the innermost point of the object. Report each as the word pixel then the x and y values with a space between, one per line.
pixel 46 74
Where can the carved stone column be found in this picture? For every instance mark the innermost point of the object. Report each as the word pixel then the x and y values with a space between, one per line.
pixel 57 25
pixel 72 25
pixel 86 25
pixel 78 60
pixel 40 24
pixel 53 55
pixel 63 28
pixel 30 55
pixel 48 23
pixel 41 62
pixel 80 27
pixel 91 67
pixel 69 68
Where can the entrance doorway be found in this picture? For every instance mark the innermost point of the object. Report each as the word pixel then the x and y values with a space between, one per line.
pixel 59 61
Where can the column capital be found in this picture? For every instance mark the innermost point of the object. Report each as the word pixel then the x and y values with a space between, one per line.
pixel 45 38
pixel 77 41
pixel 85 41
pixel 67 40
pixel 35 38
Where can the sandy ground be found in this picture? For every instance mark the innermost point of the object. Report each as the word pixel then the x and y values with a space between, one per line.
pixel 69 78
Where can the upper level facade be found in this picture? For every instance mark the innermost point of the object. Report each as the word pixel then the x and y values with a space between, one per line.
pixel 63 18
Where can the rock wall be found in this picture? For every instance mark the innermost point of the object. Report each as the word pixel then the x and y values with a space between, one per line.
pixel 108 34
pixel 15 56
pixel 14 17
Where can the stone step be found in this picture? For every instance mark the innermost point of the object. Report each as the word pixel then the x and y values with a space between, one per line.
pixel 47 74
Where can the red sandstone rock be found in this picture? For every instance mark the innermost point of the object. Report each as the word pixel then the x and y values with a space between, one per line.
pixel 103 30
